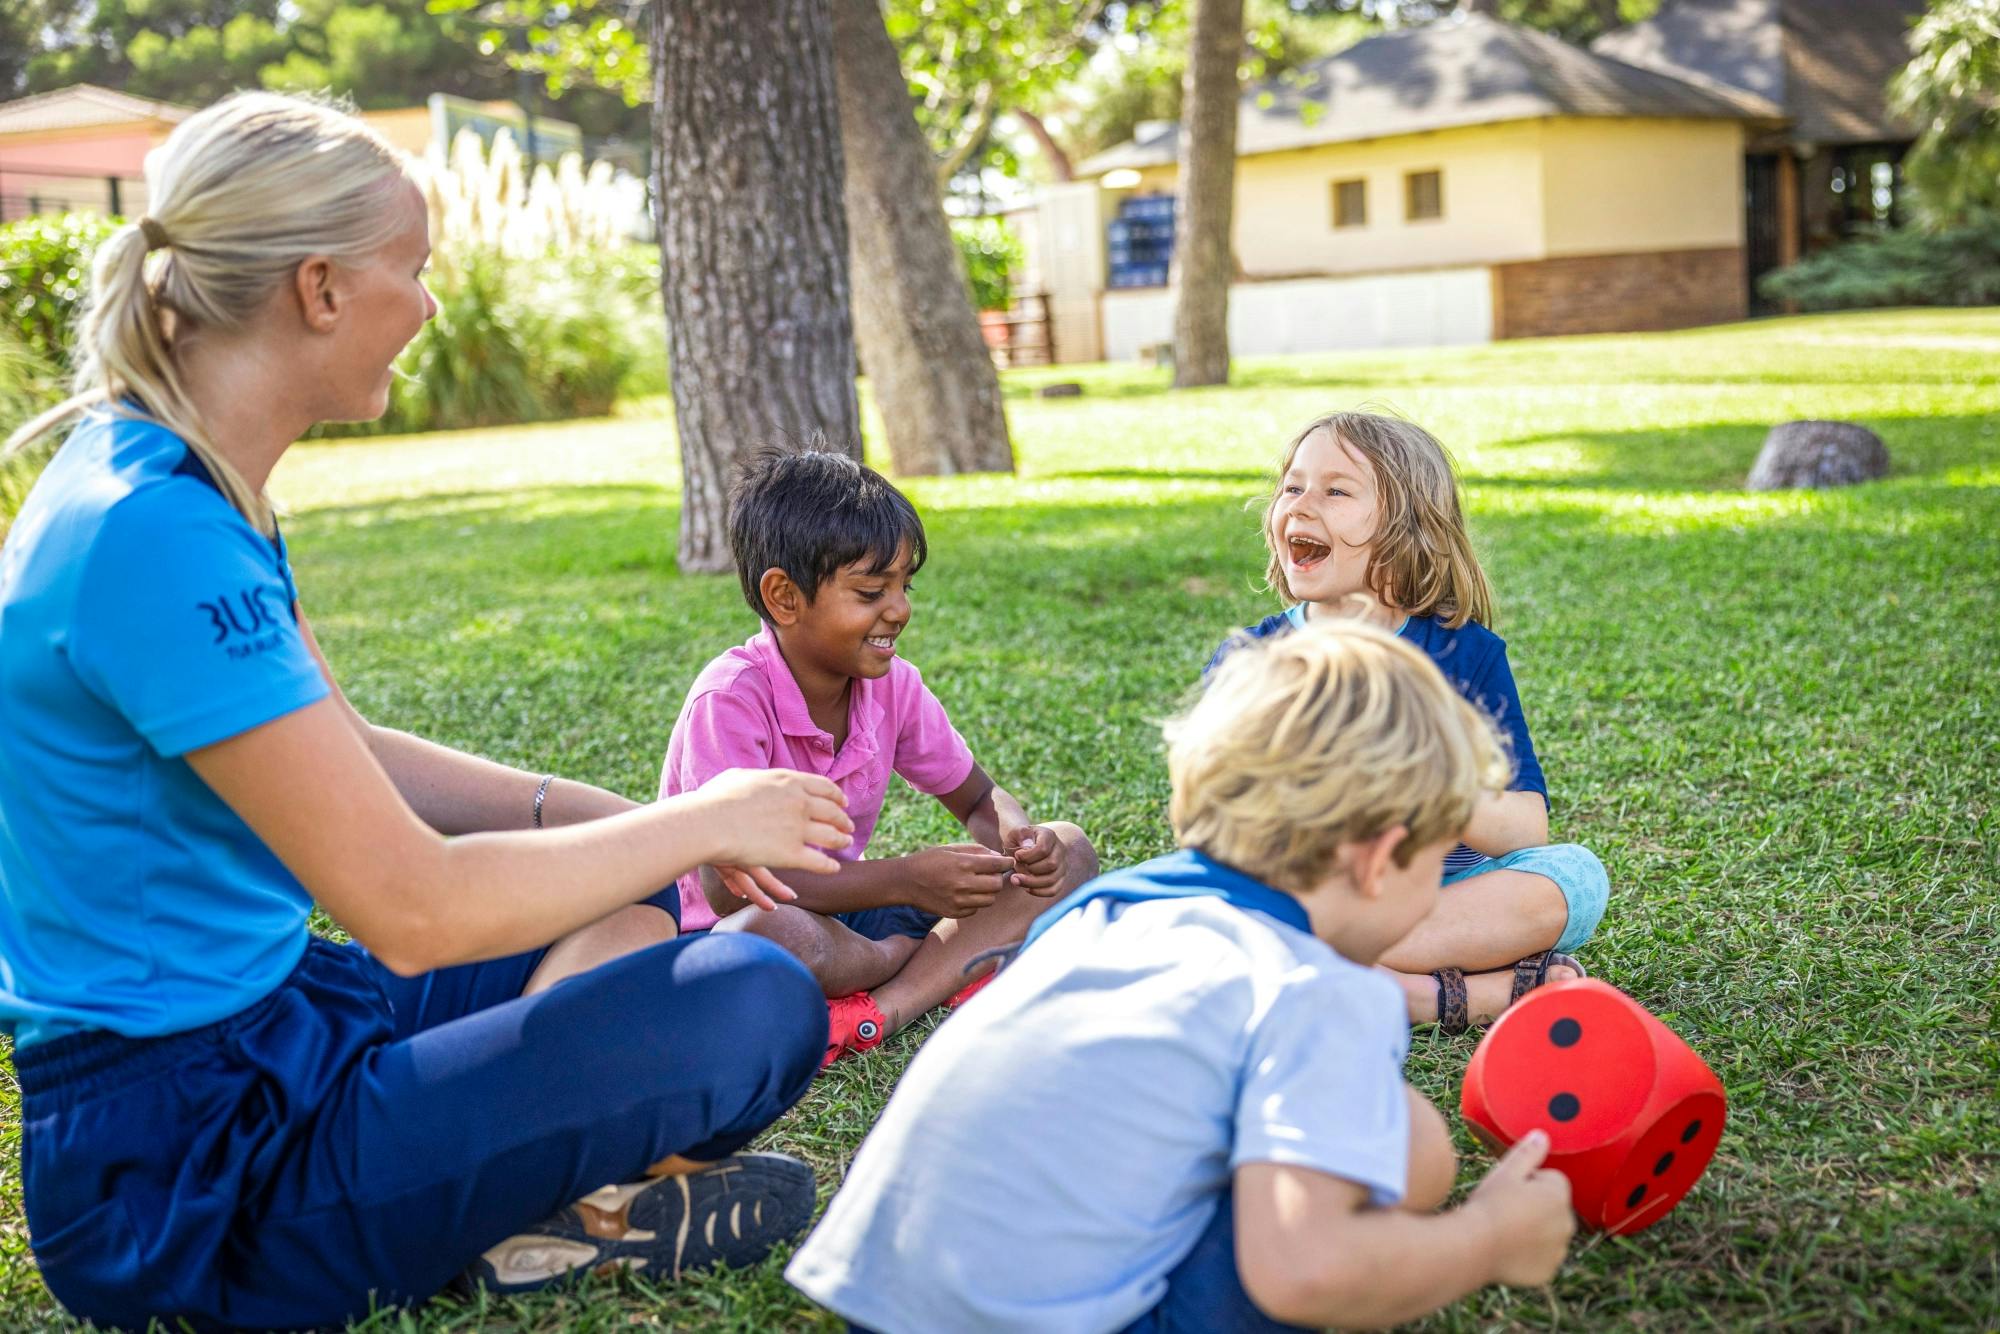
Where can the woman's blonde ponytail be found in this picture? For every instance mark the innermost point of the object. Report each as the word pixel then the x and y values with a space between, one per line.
pixel 241 193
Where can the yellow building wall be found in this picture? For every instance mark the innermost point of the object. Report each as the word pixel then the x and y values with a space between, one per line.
pixel 1491 182
pixel 408 128
pixel 1491 178
pixel 1618 186
pixel 1525 190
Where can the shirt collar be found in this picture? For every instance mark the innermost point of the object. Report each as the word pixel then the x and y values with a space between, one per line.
pixel 864 702
pixel 1181 875
pixel 1296 614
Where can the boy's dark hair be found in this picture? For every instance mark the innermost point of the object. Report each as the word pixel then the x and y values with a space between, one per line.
pixel 810 511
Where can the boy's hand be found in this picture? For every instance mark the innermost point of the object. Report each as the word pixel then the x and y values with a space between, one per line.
pixel 772 817
pixel 957 880
pixel 1039 858
pixel 1528 1214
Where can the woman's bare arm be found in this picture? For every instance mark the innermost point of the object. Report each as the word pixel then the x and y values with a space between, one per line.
pixel 314 792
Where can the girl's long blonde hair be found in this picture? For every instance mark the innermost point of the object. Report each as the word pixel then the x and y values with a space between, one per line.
pixel 239 195
pixel 1421 558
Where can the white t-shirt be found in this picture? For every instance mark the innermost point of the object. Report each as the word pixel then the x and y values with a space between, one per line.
pixel 1059 1145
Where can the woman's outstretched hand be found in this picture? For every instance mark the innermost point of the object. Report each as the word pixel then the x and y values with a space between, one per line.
pixel 771 817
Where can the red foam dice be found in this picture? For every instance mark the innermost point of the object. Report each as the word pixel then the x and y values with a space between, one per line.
pixel 1632 1114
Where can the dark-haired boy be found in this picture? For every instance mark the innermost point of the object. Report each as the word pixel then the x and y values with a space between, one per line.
pixel 826 550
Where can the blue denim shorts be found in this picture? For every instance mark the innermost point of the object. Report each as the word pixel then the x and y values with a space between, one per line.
pixel 1577 873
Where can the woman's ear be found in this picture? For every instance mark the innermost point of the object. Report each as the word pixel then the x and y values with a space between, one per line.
pixel 320 300
pixel 784 601
pixel 1368 860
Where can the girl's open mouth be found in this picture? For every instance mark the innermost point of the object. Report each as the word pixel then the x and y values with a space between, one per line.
pixel 883 644
pixel 1307 552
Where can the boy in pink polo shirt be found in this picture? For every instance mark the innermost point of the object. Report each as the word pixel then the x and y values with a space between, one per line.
pixel 826 550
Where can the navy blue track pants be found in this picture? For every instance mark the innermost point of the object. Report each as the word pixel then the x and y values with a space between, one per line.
pixel 355 1139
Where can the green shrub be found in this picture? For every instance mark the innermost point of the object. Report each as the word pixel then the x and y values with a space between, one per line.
pixel 523 339
pixel 516 339
pixel 1955 267
pixel 27 386
pixel 991 253
pixel 45 275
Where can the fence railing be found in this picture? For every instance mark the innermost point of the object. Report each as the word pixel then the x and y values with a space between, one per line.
pixel 31 188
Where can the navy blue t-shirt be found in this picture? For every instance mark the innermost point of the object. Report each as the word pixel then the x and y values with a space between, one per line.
pixel 1473 659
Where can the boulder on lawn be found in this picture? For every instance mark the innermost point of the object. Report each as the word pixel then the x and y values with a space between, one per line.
pixel 1818 454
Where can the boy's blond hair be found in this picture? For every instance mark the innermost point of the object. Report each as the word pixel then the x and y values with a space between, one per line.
pixel 1422 560
pixel 1327 736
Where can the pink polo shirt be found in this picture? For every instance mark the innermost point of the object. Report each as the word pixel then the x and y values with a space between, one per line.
pixel 745 712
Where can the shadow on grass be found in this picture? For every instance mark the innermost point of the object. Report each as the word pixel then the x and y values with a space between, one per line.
pixel 1714 456
pixel 1772 731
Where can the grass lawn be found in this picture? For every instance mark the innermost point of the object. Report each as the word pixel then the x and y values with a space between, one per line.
pixel 1777 717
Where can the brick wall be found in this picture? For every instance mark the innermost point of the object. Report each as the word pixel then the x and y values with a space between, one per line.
pixel 1667 289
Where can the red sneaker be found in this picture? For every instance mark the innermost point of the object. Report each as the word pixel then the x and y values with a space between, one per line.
pixel 854 1023
pixel 970 989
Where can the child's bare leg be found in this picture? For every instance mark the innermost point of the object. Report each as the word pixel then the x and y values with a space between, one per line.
pixel 1487 995
pixel 1433 1162
pixel 624 932
pixel 1485 922
pixel 843 960
pixel 937 969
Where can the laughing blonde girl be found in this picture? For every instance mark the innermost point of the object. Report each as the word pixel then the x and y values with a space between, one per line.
pixel 1364 520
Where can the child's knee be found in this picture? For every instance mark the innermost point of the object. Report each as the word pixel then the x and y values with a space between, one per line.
pixel 1433 1162
pixel 798 932
pixel 1079 857
pixel 1586 890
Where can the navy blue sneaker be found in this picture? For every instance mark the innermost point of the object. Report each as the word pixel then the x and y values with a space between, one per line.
pixel 732 1212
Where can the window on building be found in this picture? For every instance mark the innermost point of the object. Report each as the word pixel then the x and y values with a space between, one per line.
pixel 1423 195
pixel 1350 203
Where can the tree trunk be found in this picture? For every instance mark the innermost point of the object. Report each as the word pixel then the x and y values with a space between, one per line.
pixel 753 243
pixel 1207 191
pixel 913 319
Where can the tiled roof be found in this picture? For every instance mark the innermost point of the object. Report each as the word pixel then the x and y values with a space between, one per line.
pixel 1825 63
pixel 83 105
pixel 1469 70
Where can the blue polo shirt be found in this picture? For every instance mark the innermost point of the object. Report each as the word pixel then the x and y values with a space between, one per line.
pixel 141 617
pixel 1474 660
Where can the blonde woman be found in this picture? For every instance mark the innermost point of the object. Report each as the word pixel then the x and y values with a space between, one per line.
pixel 228 1120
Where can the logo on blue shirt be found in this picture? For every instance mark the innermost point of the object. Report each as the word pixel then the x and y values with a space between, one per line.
pixel 250 626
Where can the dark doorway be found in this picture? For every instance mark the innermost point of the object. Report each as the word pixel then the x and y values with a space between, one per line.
pixel 1761 244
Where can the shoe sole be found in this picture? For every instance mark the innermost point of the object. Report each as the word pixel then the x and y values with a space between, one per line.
pixel 732 1213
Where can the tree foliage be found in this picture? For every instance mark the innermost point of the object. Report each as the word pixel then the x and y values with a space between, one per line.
pixel 386 53
pixel 1141 79
pixel 569 44
pixel 1572 20
pixel 1951 90
pixel 968 61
